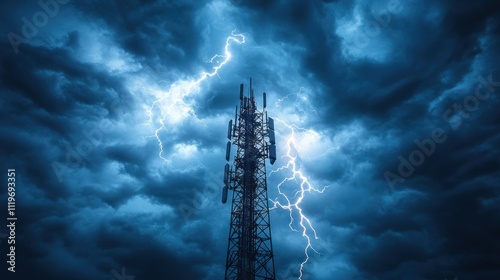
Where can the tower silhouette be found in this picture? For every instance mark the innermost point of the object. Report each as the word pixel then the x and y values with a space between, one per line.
pixel 250 251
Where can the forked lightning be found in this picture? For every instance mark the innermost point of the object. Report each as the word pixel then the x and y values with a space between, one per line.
pixel 172 106
pixel 293 204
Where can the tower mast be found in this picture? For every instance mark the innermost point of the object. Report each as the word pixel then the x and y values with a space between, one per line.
pixel 250 251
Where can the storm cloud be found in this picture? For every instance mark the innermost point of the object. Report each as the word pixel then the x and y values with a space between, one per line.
pixel 395 105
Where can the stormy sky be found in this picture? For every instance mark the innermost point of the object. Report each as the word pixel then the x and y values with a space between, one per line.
pixel 393 106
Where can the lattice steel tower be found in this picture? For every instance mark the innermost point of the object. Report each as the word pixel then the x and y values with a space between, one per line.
pixel 250 250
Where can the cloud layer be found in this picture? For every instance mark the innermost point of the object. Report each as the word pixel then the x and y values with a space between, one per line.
pixel 397 104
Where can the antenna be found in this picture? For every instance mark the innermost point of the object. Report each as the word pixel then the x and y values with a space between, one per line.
pixel 272 139
pixel 228 150
pixel 271 124
pixel 272 153
pixel 241 91
pixel 229 128
pixel 235 120
pixel 226 174
pixel 226 181
pixel 224 194
pixel 264 99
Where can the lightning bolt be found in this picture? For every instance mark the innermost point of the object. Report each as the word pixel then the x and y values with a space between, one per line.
pixel 293 204
pixel 172 107
pixel 298 95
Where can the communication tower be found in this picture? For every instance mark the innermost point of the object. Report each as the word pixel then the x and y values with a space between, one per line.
pixel 250 251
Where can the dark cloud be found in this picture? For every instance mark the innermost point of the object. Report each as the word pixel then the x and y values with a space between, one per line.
pixel 368 83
